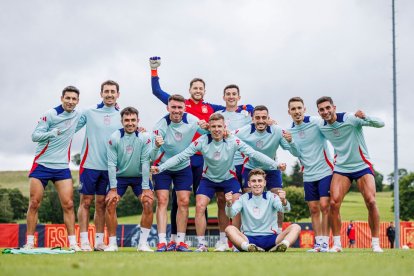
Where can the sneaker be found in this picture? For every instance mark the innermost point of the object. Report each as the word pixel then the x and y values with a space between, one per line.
pixel 335 249
pixel 377 249
pixel 75 248
pixel 85 247
pixel 201 248
pixel 280 247
pixel 28 246
pixel 144 248
pixel 221 246
pixel 161 247
pixel 111 248
pixel 324 248
pixel 171 246
pixel 182 247
pixel 316 248
pixel 100 247
pixel 254 248
pixel 235 249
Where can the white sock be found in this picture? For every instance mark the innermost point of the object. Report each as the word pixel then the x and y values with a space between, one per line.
pixel 325 239
pixel 286 242
pixel 173 237
pixel 180 237
pixel 84 237
pixel 99 238
pixel 162 238
pixel 223 237
pixel 318 240
pixel 30 239
pixel 201 240
pixel 143 235
pixel 72 239
pixel 337 241
pixel 375 241
pixel 112 240
pixel 244 245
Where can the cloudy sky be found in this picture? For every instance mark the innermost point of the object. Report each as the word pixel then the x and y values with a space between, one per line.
pixel 272 49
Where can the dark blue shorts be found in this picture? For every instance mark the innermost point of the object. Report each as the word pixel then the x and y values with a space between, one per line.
pixel 356 175
pixel 239 173
pixel 134 182
pixel 266 242
pixel 93 182
pixel 209 188
pixel 45 174
pixel 182 179
pixel 273 179
pixel 314 190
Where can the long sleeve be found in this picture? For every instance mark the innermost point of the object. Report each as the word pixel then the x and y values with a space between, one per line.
pixel 42 131
pixel 277 204
pixel 112 162
pixel 235 208
pixel 157 91
pixel 145 165
pixel 81 123
pixel 184 156
pixel 373 122
pixel 258 156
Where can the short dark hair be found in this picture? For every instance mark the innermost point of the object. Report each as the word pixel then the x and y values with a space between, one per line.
pixel 128 111
pixel 196 80
pixel 110 82
pixel 295 99
pixel 231 86
pixel 176 97
pixel 324 99
pixel 260 108
pixel 70 88
pixel 216 117
pixel 257 172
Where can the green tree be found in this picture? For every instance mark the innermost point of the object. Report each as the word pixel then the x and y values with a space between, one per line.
pixel 379 177
pixel 297 175
pixel 19 203
pixel 296 197
pixel 390 178
pixel 50 209
pixel 129 205
pixel 6 210
pixel 406 185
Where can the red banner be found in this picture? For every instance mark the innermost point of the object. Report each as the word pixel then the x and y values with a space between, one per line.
pixel 9 235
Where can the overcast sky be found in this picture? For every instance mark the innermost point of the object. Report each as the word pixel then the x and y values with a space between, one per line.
pixel 272 49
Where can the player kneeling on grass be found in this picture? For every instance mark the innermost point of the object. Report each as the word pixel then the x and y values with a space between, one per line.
pixel 258 210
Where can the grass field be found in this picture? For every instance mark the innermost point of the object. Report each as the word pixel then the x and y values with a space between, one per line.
pixel 292 262
pixel 353 207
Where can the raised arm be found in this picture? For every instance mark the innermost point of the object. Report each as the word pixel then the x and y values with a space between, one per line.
pixel 232 208
pixel 369 121
pixel 163 96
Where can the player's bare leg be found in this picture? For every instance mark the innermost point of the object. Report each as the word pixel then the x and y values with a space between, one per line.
pixel 286 238
pixel 200 221
pixel 366 185
pixel 36 196
pixel 64 189
pixel 99 221
pixel 339 187
pixel 147 202
pixel 161 215
pixel 240 240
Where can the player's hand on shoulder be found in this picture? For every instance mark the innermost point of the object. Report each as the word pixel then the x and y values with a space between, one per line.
pixel 155 62
pixel 287 135
pixel 203 124
pixel 142 129
pixel 159 141
pixel 360 114
pixel 154 169
pixel 282 166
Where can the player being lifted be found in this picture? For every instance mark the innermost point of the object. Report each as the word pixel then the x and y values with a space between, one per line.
pixel 129 165
pixel 258 210
pixel 317 164
pixel 196 106
pixel 344 131
pixel 266 139
pixel 100 121
pixel 218 174
pixel 172 134
pixel 54 133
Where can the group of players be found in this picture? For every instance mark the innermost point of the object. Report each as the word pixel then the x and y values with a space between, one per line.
pixel 228 151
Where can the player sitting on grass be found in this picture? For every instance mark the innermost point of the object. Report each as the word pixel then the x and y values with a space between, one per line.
pixel 258 210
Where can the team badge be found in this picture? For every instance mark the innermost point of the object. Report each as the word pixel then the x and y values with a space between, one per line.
pixel 204 109
pixel 301 134
pixel 129 149
pixel 259 144
pixel 107 120
pixel 256 212
pixel 336 133
pixel 217 155
pixel 178 136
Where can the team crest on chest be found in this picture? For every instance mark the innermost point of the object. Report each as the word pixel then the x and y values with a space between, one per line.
pixel 129 149
pixel 256 212
pixel 107 120
pixel 178 136
pixel 336 132
pixel 259 144
pixel 217 155
pixel 204 109
pixel 301 134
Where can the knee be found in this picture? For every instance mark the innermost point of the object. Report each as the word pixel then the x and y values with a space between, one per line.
pixel 229 229
pixel 200 208
pixel 334 204
pixel 34 204
pixel 314 210
pixel 183 202
pixel 86 203
pixel 162 201
pixel 325 208
pixel 100 205
pixel 67 205
pixel 147 204
pixel 111 209
pixel 295 228
pixel 371 202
